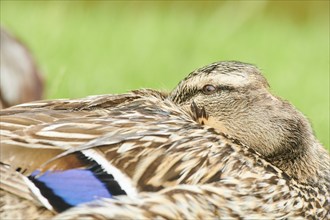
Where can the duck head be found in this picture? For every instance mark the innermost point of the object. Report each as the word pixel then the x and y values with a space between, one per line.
pixel 234 98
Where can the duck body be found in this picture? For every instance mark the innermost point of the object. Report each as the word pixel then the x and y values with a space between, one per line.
pixel 148 158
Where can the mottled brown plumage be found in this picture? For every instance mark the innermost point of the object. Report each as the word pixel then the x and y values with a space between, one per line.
pixel 172 166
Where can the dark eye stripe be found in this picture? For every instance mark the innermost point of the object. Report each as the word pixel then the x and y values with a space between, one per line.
pixel 187 94
pixel 210 89
pixel 228 88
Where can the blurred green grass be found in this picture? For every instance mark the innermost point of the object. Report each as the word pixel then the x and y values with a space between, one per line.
pixel 87 48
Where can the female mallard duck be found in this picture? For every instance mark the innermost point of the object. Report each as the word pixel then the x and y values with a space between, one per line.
pixel 219 145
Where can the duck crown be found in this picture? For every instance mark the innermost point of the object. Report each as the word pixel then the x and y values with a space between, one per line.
pixel 224 75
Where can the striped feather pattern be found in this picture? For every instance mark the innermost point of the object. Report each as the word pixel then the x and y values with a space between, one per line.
pixel 171 166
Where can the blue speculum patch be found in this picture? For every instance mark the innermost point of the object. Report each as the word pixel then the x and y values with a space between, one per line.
pixel 71 187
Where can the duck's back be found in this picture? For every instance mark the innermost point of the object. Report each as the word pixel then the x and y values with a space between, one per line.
pixel 166 164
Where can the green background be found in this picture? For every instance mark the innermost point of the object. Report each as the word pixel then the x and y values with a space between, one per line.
pixel 86 48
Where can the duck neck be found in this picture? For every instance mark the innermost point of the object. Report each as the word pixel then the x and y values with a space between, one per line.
pixel 309 167
pixel 292 145
pixel 283 135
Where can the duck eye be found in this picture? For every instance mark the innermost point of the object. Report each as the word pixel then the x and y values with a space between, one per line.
pixel 208 89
